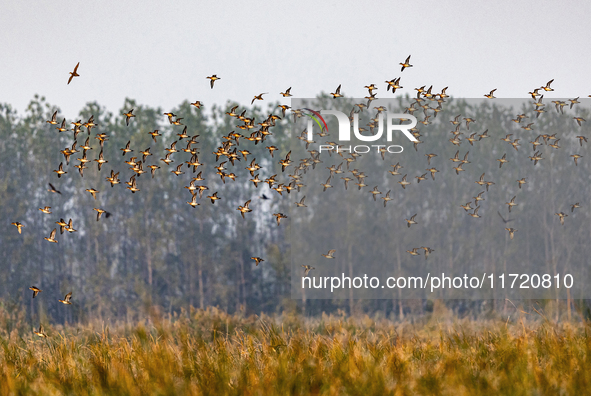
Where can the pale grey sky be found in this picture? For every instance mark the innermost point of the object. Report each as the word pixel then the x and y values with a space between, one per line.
pixel 160 53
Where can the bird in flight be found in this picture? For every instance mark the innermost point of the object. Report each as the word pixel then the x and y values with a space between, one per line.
pixel 475 214
pixel 51 236
pixel 511 203
pixel 375 192
pixel 576 157
pixel 244 209
pixel 337 93
pixel 214 197
pixel 53 120
pixel 511 232
pixel 257 259
pixel 405 64
pixel 36 290
pixel 502 218
pixel 193 201
pixel 66 299
pixel 74 73
pixel 403 182
pixel 279 216
pixel 301 203
pixel 52 189
pixel 18 225
pixel 490 95
pixel 128 115
pixel 387 198
pixel 411 221
pixel 40 333
pixel 330 254
pixel 99 212
pixel 307 268
pixel 427 250
pixel 212 79
pixel 93 192
pixel 547 86
pixel 258 97
pixel 286 93
pixel 60 171
pixel 562 215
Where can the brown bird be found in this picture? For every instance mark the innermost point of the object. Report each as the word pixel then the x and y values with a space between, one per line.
pixel 307 268
pixel 405 64
pixel 286 93
pixel 213 79
pixel 428 251
pixel 18 225
pixel 126 149
pixel 512 232
pixel 257 259
pixel 93 192
pixel 337 93
pixel 330 254
pixel 60 171
pixel 214 197
pixel 301 203
pixel 41 333
pixel 387 198
pixel 475 214
pixel 411 221
pixel 51 236
pixel 279 216
pixel 128 115
pixel 66 299
pixel 258 97
pixel 36 290
pixel 511 203
pixel 155 133
pixel 502 160
pixel 193 201
pixel 467 207
pixel 490 95
pixel 327 184
pixel 100 160
pixel 74 73
pixel 100 212
pixel 244 209
pixel 375 192
pixel 562 215
pixel 52 189
pixel 403 182
pixel 547 86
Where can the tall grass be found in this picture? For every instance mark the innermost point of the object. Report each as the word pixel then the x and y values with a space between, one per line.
pixel 208 352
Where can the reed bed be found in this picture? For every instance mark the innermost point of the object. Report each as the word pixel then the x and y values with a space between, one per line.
pixel 209 352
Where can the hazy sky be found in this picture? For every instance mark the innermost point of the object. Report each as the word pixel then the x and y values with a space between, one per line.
pixel 160 53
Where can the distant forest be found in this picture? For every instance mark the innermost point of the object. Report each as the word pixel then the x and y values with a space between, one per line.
pixel 156 250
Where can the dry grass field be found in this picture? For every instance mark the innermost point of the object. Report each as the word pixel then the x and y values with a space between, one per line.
pixel 213 353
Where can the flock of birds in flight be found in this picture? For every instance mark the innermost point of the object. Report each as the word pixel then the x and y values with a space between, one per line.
pixel 261 131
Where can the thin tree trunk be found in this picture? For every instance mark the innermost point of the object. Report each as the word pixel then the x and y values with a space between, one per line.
pixel 200 268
